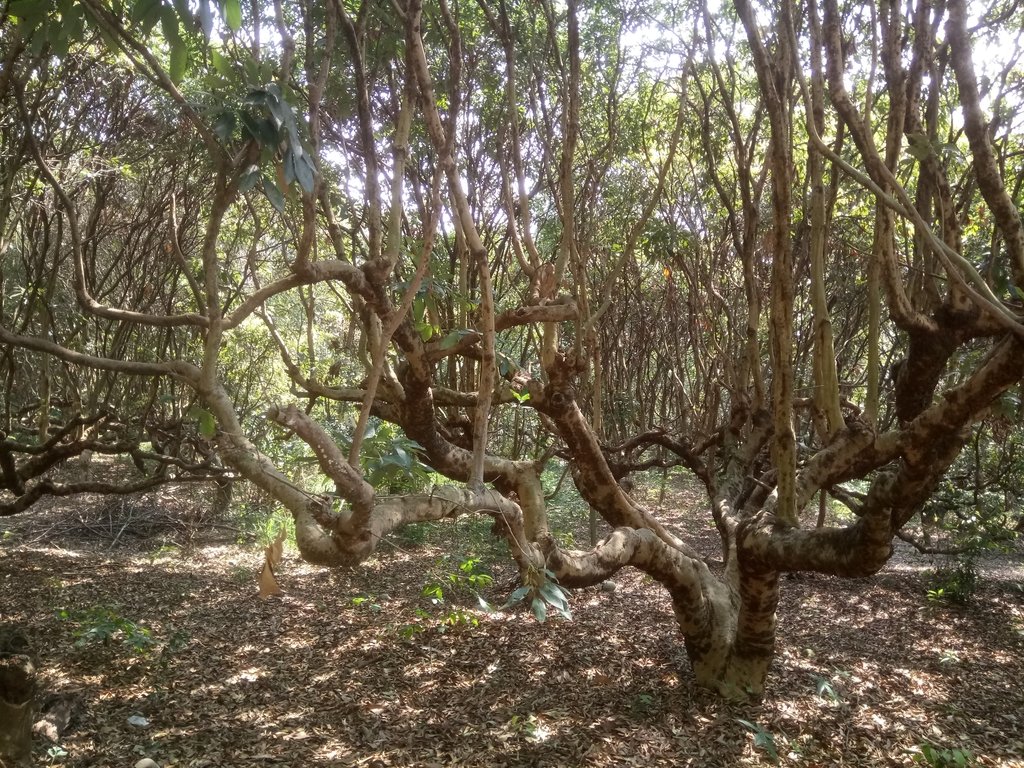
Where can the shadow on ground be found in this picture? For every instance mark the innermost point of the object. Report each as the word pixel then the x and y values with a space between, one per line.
pixel 359 668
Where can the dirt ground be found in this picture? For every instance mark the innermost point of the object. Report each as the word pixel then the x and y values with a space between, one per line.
pixel 157 628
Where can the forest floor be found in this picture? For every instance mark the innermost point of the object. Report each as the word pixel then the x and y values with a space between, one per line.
pixel 156 626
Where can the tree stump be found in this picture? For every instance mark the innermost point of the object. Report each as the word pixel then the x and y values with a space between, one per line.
pixel 17 698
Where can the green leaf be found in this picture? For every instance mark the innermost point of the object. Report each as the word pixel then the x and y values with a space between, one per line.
pixel 305 172
pixel 59 41
pixel 206 18
pixel 506 365
pixel 554 595
pixel 169 25
pixel 540 609
pixel 29 12
pixel 516 597
pixel 297 167
pixel 38 43
pixel 288 161
pixel 224 127
pixel 221 63
pixel 766 741
pixel 274 194
pixel 826 690
pixel 402 458
pixel 279 109
pixel 249 179
pixel 257 97
pixel 259 129
pixel 762 738
pixel 434 592
pixel 184 13
pixel 179 62
pixel 145 13
pixel 233 14
pixel 453 338
pixel 207 424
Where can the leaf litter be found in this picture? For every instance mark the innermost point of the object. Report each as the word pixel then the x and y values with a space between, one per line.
pixel 358 668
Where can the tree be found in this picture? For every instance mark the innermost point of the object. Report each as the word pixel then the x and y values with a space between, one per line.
pixel 514 232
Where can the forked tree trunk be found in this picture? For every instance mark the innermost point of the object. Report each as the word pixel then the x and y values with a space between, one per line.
pixel 731 651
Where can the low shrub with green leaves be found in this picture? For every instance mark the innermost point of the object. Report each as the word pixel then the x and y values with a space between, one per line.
pixel 941 757
pixel 466 581
pixel 103 624
pixel 954 585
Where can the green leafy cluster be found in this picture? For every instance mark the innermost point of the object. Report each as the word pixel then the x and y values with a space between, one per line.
pixel 468 579
pixel 103 624
pixel 544 594
pixel 267 118
pixel 388 459
pixel 941 757
pixel 55 24
pixel 955 585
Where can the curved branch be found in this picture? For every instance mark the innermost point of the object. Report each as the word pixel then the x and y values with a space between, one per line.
pixel 50 488
pixel 975 126
pixel 591 473
pixel 350 483
pixel 563 309
pixel 699 599
pixel 177 368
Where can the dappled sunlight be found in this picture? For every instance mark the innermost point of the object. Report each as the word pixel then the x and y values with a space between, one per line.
pixel 715 307
pixel 349 665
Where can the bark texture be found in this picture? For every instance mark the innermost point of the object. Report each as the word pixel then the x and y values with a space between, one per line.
pixel 17 698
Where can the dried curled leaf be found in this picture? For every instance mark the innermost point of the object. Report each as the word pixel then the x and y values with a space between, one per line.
pixel 268 582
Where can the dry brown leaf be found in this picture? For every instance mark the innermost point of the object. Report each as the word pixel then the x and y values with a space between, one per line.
pixel 276 550
pixel 268 583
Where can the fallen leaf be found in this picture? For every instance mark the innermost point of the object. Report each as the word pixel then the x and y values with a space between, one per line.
pixel 268 583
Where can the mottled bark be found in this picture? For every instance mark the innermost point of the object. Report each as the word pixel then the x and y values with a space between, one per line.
pixel 17 698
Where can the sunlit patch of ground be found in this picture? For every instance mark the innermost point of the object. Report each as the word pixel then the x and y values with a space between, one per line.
pixel 360 668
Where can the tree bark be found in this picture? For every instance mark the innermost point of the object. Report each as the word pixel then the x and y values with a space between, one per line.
pixel 17 698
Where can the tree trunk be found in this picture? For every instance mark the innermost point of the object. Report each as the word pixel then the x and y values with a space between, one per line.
pixel 17 700
pixel 732 649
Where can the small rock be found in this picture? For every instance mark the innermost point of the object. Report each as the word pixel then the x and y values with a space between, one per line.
pixel 138 721
pixel 147 763
pixel 609 586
